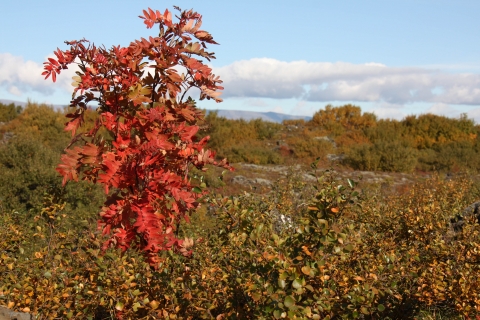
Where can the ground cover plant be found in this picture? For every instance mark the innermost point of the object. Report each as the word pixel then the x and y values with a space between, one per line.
pixel 325 250
pixel 319 248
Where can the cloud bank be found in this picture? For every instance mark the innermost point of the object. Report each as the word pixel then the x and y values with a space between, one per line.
pixel 260 78
pixel 341 81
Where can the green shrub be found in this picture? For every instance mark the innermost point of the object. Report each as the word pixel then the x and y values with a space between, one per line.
pixel 242 141
pixel 452 156
pixel 9 112
pixel 28 172
pixel 392 156
pixel 308 147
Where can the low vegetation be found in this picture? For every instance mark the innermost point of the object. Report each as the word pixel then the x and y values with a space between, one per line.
pixel 330 249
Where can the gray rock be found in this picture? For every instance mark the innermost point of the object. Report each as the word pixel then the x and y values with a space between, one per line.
pixel 7 314
pixel 240 180
pixel 263 182
pixel 6 136
pixel 472 211
pixel 309 177
pixel 335 157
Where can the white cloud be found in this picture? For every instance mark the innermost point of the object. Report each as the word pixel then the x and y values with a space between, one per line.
pixel 341 81
pixel 20 77
pixel 443 109
pixel 277 109
pixel 15 91
pixel 255 103
pixel 388 110
pixel 15 72
pixel 474 114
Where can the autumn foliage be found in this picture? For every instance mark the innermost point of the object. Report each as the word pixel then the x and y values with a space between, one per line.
pixel 144 141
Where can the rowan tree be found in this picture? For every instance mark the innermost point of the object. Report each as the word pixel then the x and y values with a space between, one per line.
pixel 144 141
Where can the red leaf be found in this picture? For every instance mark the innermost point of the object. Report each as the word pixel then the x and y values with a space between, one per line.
pixel 204 36
pixel 53 61
pixel 188 132
pixel 152 13
pixel 68 167
pixel 175 77
pixel 167 18
pixel 193 64
pixel 90 154
pixel 74 124
pixel 110 166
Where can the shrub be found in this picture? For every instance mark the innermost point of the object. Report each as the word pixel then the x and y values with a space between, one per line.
pixel 384 156
pixel 308 147
pixel 9 112
pixel 452 156
pixel 242 141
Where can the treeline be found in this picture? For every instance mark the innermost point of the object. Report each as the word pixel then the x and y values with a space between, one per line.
pixel 362 141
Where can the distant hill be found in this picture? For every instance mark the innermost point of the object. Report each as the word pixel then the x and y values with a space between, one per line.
pixel 229 114
pixel 250 115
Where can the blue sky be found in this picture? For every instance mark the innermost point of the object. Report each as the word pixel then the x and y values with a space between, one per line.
pixel 393 58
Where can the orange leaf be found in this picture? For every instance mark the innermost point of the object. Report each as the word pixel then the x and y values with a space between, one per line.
pixel 74 124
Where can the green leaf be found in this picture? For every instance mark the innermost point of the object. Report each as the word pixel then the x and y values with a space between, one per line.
pixel 119 306
pixel 351 183
pixel 136 305
pixel 307 311
pixel 289 301
pixel 260 228
pixel 297 283
pixel 47 275
pixel 277 314
pixel 283 275
pixel 136 292
pixel 381 307
pixel 197 190
pixel 256 296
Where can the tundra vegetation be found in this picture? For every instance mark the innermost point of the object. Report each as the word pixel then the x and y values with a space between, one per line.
pixel 147 233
